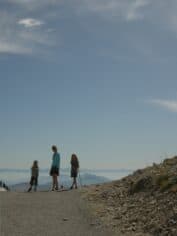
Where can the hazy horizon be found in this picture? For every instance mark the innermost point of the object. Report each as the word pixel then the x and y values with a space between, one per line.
pixel 14 176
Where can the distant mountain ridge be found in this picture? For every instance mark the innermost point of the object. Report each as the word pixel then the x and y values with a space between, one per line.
pixel 65 170
pixel 15 176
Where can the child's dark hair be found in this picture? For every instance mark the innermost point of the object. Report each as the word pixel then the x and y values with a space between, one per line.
pixel 74 160
pixel 74 157
pixel 35 164
pixel 54 148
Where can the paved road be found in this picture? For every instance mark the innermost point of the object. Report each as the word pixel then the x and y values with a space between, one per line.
pixel 46 214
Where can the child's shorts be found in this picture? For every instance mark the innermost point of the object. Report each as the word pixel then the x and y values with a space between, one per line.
pixel 54 171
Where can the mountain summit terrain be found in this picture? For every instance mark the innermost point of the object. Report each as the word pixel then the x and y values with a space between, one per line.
pixel 143 203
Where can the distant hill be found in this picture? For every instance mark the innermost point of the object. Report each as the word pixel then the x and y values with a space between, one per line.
pixel 85 179
pixel 143 203
pixel 16 176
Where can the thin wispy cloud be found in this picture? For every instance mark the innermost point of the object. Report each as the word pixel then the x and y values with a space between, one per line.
pixel 33 5
pixel 20 35
pixel 170 105
pixel 12 48
pixel 36 38
pixel 134 11
pixel 23 23
pixel 124 9
pixel 30 22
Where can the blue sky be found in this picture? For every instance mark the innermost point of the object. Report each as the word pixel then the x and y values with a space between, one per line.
pixel 94 77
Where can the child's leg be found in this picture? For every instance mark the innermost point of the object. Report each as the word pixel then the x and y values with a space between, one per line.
pixel 53 182
pixel 72 184
pixel 30 188
pixel 31 183
pixel 56 182
pixel 75 182
pixel 35 183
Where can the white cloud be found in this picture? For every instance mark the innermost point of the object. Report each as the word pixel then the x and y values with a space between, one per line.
pixel 170 105
pixel 30 22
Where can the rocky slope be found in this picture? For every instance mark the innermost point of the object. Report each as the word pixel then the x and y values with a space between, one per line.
pixel 144 203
